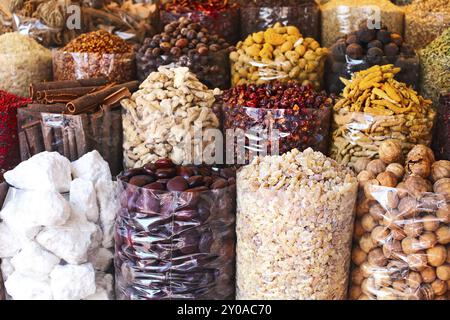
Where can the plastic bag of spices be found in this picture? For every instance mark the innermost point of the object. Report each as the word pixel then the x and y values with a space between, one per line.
pixel 220 16
pixel 95 54
pixel 365 48
pixel 281 117
pixel 175 236
pixel 374 107
pixel 402 229
pixel 441 142
pixel 130 20
pixel 425 20
pixel 257 16
pixel 278 53
pixel 294 227
pixel 3 192
pixel 184 43
pixel 340 17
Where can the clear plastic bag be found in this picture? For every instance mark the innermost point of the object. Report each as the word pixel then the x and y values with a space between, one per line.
pixel 224 22
pixel 129 19
pixel 401 246
pixel 72 135
pixel 338 66
pixel 280 129
pixel 3 192
pixel 358 135
pixel 305 16
pixel 117 68
pixel 175 245
pixel 293 243
pixel 340 17
pixel 212 69
pixel 441 142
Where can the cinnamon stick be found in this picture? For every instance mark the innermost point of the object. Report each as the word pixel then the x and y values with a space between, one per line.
pixel 65 143
pixel 52 108
pixel 114 99
pixel 63 95
pixel 91 101
pixel 72 144
pixel 34 139
pixel 42 86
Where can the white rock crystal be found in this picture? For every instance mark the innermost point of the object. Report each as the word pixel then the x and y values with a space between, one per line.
pixel 53 245
pixel 83 199
pixel 34 261
pixel 73 282
pixel 44 171
pixel 21 287
pixel 91 167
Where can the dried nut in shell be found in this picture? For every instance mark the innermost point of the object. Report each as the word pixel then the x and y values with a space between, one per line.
pixel 368 222
pixel 408 207
pixel 420 152
pixel 410 245
pixel 392 199
pixel 357 276
pixel 377 211
pixel 380 235
pixel 366 243
pixel 364 176
pixel 358 231
pixel 390 151
pixel 428 274
pixel 440 169
pixel 402 191
pixel 430 223
pixel 361 164
pixel 442 186
pixel 443 272
pixel 417 186
pixel 363 207
pixel 443 213
pixel 414 280
pixel 417 261
pixel 443 235
pixel 392 248
pixel 358 256
pixel 439 287
pixel 387 179
pixel 377 258
pixel 368 190
pixel 427 240
pixel 398 234
pixel 376 166
pixel 437 255
pixel 397 169
pixel 413 228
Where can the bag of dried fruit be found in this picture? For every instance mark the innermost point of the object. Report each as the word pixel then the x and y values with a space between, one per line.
pixel 402 231
pixel 278 53
pixel 441 142
pixel 294 227
pixel 375 107
pixel 366 47
pixel 220 16
pixel 275 118
pixel 175 233
pixel 341 17
pixel 257 15
pixel 425 20
pixel 94 55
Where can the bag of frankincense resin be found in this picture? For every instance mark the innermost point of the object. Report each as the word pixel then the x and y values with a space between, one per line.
pixel 402 230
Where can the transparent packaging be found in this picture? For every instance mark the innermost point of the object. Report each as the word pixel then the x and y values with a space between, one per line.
pixel 225 22
pixel 72 135
pixel 338 66
pixel 305 16
pixel 175 245
pixel 340 17
pixel 294 243
pixel 358 135
pixel 116 67
pixel 212 69
pixel 401 251
pixel 3 192
pixel 269 130
pixel 441 142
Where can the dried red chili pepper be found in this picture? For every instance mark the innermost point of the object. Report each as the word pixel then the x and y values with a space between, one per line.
pixel 9 142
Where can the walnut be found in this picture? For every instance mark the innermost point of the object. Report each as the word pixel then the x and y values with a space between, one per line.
pixel 443 272
pixel 413 228
pixel 410 245
pixel 392 248
pixel 408 207
pixel 443 213
pixel 377 258
pixel 380 235
pixel 417 261
pixel 376 167
pixel 440 170
pixel 366 243
pixel 430 223
pixel 443 235
pixel 419 161
pixel 437 255
pixel 428 274
pixel 390 151
pixel 442 186
pixel 357 276
pixel 361 164
pixel 377 211
pixel 439 287
pixel 364 176
pixel 402 191
pixel 387 179
pixel 414 280
pixel 368 190
pixel 427 240
pixel 397 169
pixel 417 186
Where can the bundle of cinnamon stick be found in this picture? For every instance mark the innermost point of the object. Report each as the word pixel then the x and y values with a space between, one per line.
pixel 73 118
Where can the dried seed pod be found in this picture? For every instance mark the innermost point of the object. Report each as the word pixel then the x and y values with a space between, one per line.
pixel 390 151
pixel 440 170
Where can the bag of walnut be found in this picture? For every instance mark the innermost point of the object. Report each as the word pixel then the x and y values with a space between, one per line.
pixel 402 231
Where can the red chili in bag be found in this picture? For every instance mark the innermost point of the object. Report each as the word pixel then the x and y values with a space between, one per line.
pixel 9 142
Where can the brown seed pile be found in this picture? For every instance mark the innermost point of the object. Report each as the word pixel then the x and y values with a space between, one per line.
pixel 99 41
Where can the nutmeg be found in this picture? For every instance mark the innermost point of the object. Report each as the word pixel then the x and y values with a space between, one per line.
pixel 387 179
pixel 361 164
pixel 376 166
pixel 442 186
pixel 397 169
pixel 390 151
pixel 440 170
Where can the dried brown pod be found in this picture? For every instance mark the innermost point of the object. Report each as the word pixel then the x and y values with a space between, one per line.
pixel 390 151
pixel 440 170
